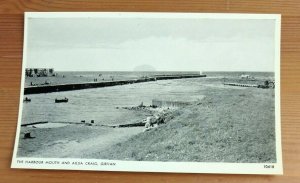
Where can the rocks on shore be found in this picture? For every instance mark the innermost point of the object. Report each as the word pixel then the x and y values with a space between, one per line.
pixel 158 116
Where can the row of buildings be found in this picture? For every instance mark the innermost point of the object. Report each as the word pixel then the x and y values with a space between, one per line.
pixel 39 72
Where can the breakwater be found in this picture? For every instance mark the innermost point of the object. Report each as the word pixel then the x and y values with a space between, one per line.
pixel 241 85
pixel 79 86
pixel 169 103
pixel 165 77
pixel 35 123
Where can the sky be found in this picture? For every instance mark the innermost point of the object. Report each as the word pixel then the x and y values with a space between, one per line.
pixel 122 44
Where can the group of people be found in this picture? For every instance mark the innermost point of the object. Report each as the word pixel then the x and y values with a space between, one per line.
pixel 153 122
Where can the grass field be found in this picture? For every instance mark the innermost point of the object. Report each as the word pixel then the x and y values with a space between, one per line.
pixel 228 125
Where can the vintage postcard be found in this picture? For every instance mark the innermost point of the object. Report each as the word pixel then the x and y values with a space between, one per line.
pixel 150 92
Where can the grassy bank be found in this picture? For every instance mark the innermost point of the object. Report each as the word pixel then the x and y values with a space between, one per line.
pixel 228 125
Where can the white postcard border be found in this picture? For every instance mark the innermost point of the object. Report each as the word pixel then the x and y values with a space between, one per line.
pixel 147 166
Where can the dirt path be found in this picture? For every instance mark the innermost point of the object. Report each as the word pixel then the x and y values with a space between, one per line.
pixel 84 149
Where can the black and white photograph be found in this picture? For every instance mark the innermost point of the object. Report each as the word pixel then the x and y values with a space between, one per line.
pixel 150 92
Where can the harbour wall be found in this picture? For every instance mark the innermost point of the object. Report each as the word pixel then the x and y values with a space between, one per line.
pixel 79 86
pixel 169 103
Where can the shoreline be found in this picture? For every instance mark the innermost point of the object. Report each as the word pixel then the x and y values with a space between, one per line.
pixel 80 86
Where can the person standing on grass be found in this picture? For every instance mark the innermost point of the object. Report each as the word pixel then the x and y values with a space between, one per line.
pixel 150 122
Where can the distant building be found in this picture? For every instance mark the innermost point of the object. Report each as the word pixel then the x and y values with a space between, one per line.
pixel 39 72
pixel 245 76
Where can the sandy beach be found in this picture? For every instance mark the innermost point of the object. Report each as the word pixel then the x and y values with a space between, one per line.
pixel 80 142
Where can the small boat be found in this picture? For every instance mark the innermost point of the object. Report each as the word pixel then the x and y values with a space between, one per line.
pixel 61 100
pixel 27 100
